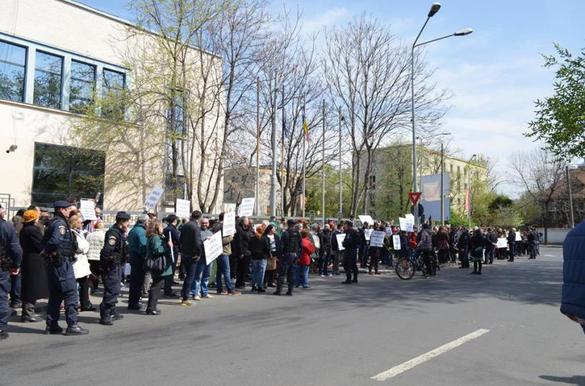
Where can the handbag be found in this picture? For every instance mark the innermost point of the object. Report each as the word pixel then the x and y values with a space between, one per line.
pixel 156 264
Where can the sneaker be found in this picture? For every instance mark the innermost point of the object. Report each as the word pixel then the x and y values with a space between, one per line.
pixel 185 303
pixel 3 334
pixel 208 296
pixel 105 322
pixel 197 298
pixel 234 293
pixel 55 330
pixel 117 316
pixel 152 312
pixel 76 330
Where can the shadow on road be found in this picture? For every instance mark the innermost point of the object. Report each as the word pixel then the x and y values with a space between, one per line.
pixel 574 380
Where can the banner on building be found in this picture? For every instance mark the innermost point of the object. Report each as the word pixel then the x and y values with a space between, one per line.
pixel 431 196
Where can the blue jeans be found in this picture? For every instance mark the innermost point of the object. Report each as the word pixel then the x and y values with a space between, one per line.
pixel 223 268
pixel 258 269
pixel 303 276
pixel 4 291
pixel 189 266
pixel 199 286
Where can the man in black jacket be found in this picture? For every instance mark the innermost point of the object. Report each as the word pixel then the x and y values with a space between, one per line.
pixel 10 259
pixel 244 234
pixel 351 243
pixel 191 251
pixel 171 233
pixel 291 250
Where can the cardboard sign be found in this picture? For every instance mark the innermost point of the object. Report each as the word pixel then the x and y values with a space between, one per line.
pixel 316 242
pixel 340 237
pixel 368 233
pixel 377 239
pixel 247 207
pixel 229 224
pixel 87 209
pixel 366 218
pixel 183 208
pixel 81 268
pixel 396 242
pixel 502 243
pixel 402 221
pixel 213 247
pixel 153 198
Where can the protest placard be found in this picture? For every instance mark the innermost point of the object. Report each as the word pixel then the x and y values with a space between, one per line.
pixel 518 236
pixel 396 242
pixel 368 233
pixel 409 223
pixel 183 208
pixel 316 242
pixel 153 197
pixel 340 237
pixel 402 221
pixel 502 243
pixel 366 218
pixel 377 239
pixel 247 207
pixel 213 247
pixel 229 224
pixel 87 209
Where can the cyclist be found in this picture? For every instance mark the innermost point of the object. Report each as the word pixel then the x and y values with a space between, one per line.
pixel 425 247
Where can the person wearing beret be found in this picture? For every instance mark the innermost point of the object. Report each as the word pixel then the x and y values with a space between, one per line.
pixel 34 273
pixel 112 258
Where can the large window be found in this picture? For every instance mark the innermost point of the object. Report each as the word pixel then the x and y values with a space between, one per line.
pixel 12 71
pixel 48 80
pixel 60 172
pixel 82 89
pixel 112 88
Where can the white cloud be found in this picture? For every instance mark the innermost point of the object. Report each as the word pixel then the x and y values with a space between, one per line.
pixel 327 19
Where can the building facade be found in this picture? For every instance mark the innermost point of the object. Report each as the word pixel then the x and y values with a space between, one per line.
pixel 54 56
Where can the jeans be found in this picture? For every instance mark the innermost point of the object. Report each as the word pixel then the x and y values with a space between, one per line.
pixel 258 269
pixel 223 269
pixel 303 275
pixel 4 291
pixel 199 286
pixel 189 266
pixel 136 283
pixel 324 264
pixel 336 257
pixel 286 269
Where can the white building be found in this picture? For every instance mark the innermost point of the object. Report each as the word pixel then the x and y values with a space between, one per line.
pixel 54 54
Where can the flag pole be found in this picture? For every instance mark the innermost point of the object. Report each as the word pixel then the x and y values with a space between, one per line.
pixel 304 202
pixel 323 167
pixel 282 184
pixel 273 96
pixel 257 186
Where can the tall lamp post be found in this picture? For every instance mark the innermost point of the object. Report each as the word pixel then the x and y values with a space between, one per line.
pixel 468 193
pixel 571 208
pixel 434 9
pixel 443 177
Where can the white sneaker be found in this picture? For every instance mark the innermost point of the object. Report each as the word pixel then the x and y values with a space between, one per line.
pixel 322 275
pixel 197 298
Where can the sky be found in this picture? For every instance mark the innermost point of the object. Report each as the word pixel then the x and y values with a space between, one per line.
pixel 494 75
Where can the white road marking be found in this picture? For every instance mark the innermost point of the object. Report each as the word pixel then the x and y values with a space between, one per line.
pixel 394 371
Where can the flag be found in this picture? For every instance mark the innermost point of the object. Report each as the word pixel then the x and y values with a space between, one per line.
pixel 306 130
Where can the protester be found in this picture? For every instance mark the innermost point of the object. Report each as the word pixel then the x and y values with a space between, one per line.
pixel 200 289
pixel 573 296
pixel 191 252
pixel 223 261
pixel 274 257
pixel 291 248
pixel 476 245
pixel 260 252
pixel 351 243
pixel 425 247
pixel 137 258
pixel 304 262
pixel 336 251
pixel 325 251
pixel 156 248
pixel 81 266
pixel 172 235
pixel 244 235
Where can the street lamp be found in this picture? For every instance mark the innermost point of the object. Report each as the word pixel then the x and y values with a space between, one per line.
pixel 443 176
pixel 571 208
pixel 434 9
pixel 468 193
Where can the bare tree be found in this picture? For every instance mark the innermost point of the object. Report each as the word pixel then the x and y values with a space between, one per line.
pixel 367 73
pixel 541 175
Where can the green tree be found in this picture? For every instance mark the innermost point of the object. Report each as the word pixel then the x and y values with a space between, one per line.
pixel 560 119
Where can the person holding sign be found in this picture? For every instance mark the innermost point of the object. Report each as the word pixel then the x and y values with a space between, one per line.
pixel 191 251
pixel 260 252
pixel 336 248
pixel 199 289
pixel 223 261
pixel 377 241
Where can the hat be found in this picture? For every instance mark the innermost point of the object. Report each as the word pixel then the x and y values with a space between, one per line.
pixel 61 204
pixel 30 216
pixel 122 216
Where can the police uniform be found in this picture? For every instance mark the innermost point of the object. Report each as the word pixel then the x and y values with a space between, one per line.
pixel 351 243
pixel 113 256
pixel 59 246
pixel 10 258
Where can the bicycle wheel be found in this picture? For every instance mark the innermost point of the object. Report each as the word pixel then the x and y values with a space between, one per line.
pixel 404 268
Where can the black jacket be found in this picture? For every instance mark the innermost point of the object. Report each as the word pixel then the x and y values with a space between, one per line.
pixel 259 247
pixel 115 250
pixel 244 235
pixel 190 239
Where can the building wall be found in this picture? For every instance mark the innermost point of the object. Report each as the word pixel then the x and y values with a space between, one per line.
pixel 71 31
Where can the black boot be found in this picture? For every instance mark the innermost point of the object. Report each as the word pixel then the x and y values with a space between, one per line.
pixel 74 329
pixel 54 330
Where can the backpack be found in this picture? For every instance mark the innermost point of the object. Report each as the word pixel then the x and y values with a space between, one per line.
pixel 294 241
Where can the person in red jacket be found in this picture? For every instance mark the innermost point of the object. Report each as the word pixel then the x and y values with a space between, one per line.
pixel 304 262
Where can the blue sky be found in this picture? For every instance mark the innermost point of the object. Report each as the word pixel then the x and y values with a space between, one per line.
pixel 494 74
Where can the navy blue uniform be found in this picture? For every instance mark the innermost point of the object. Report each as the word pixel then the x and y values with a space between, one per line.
pixel 59 246
pixel 351 243
pixel 113 256
pixel 10 257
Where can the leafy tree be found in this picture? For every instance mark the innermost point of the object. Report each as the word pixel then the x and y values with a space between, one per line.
pixel 560 119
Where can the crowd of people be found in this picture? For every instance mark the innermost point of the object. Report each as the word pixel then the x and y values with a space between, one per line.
pixel 64 259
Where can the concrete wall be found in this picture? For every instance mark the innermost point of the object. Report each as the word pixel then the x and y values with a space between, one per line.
pixel 555 235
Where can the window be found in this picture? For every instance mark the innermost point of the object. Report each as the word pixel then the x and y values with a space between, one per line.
pixel 82 86
pixel 62 171
pixel 48 80
pixel 112 90
pixel 12 71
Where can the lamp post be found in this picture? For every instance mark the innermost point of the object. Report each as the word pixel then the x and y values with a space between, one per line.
pixel 571 209
pixel 434 9
pixel 442 177
pixel 341 120
pixel 468 193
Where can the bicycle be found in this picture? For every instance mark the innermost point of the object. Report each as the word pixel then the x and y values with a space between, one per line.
pixel 406 267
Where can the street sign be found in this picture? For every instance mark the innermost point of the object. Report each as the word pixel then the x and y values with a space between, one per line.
pixel 414 197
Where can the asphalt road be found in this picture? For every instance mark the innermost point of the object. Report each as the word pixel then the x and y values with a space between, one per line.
pixel 327 335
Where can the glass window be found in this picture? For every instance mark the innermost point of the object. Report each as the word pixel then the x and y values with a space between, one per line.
pixel 112 87
pixel 61 172
pixel 48 79
pixel 12 71
pixel 82 86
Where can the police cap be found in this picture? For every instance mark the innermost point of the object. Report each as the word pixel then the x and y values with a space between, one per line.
pixel 61 204
pixel 122 216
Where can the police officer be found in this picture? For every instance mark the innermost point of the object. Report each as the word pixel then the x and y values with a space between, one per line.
pixel 113 256
pixel 59 248
pixel 351 243
pixel 10 259
pixel 291 250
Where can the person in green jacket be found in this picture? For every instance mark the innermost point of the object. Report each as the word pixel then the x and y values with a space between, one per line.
pixel 137 251
pixel 156 247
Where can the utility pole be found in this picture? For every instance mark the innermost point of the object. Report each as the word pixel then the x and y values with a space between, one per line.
pixel 257 185
pixel 341 119
pixel 442 183
pixel 304 118
pixel 323 166
pixel 273 96
pixel 570 197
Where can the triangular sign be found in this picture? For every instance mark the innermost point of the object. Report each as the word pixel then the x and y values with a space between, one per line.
pixel 414 197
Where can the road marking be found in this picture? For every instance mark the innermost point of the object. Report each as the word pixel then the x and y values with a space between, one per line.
pixel 394 371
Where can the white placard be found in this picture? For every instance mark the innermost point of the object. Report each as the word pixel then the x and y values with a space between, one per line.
pixel 340 237
pixel 366 218
pixel 153 197
pixel 247 207
pixel 368 234
pixel 183 208
pixel 377 239
pixel 518 236
pixel 213 247
pixel 81 268
pixel 409 223
pixel 229 224
pixel 402 221
pixel 87 209
pixel 396 242
pixel 316 242
pixel 502 243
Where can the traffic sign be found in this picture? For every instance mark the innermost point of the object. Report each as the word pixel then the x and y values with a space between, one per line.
pixel 414 197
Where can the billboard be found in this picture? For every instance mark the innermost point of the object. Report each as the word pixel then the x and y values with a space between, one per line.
pixel 431 196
